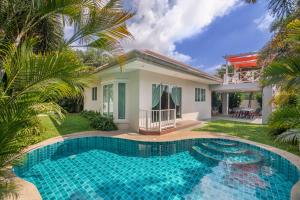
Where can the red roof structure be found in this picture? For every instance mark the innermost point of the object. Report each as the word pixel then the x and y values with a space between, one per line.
pixel 246 60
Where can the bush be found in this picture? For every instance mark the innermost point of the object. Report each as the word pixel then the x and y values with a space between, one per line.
pixel 103 123
pixel 90 115
pixel 99 122
pixel 234 100
pixel 284 118
pixel 258 97
pixel 216 101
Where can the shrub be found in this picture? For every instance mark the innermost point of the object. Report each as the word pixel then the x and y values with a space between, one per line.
pixel 284 118
pixel 103 123
pixel 258 97
pixel 234 100
pixel 99 122
pixel 90 114
pixel 216 101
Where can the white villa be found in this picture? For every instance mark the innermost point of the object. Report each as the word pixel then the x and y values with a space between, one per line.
pixel 151 93
pixel 154 93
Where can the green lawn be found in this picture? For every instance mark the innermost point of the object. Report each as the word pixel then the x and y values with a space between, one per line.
pixel 253 132
pixel 71 124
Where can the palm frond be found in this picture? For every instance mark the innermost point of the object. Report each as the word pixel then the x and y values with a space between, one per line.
pixel 291 135
pixel 282 8
pixel 284 73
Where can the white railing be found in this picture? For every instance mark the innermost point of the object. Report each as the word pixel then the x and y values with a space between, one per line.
pixel 157 120
pixel 242 77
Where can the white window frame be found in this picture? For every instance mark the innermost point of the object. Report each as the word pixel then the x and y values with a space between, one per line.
pixel 113 97
pixel 94 93
pixel 200 94
pixel 116 99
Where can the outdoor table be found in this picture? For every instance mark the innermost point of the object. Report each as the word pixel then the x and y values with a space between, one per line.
pixel 247 112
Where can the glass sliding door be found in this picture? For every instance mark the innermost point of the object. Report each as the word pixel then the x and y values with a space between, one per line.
pixel 166 97
pixel 175 100
pixel 108 108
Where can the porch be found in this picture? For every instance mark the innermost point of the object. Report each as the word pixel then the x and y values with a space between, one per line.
pixel 157 122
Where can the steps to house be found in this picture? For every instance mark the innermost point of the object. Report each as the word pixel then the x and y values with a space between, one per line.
pixel 229 153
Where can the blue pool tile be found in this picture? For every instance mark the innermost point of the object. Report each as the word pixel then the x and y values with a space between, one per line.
pixel 111 168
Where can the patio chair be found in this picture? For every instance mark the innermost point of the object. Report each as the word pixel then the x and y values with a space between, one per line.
pixel 235 112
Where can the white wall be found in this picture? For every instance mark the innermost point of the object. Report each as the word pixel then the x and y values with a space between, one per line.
pixel 88 103
pixel 133 93
pixel 190 109
pixel 131 106
pixel 139 96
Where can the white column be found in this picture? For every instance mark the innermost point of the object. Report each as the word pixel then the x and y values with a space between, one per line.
pixel 266 103
pixel 225 103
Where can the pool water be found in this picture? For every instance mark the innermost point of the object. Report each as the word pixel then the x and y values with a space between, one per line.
pixel 110 168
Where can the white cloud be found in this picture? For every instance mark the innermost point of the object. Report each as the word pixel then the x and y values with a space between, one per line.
pixel 264 22
pixel 211 70
pixel 160 24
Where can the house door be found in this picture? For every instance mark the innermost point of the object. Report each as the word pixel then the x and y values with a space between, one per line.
pixel 166 97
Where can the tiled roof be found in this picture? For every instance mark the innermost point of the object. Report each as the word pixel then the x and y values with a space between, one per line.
pixel 164 61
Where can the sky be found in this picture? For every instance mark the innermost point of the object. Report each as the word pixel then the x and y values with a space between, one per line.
pixel 198 32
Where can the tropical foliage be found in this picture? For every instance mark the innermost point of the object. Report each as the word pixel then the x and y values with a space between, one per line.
pixel 99 121
pixel 37 69
pixel 97 23
pixel 281 60
pixel 32 85
pixel 234 100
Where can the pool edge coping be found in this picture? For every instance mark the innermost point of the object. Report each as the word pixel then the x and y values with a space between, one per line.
pixel 295 192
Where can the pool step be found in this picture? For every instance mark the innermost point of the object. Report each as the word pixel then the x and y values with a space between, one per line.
pixel 223 149
pixel 246 158
pixel 223 143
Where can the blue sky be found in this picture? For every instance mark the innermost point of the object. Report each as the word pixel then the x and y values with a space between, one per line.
pixel 199 32
pixel 234 33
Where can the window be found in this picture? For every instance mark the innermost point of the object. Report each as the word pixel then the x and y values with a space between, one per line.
pixel 94 94
pixel 203 97
pixel 121 100
pixel 200 95
pixel 108 100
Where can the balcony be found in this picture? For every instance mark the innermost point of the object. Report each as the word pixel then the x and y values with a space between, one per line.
pixel 250 76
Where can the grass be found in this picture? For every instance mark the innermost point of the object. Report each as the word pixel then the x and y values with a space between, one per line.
pixel 71 124
pixel 253 132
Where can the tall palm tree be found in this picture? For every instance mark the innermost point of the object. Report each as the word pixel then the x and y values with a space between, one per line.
pixel 285 13
pixel 280 8
pixel 42 71
pixel 284 73
pixel 96 23
pixel 34 82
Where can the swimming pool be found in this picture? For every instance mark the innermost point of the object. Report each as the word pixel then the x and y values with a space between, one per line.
pixel 193 169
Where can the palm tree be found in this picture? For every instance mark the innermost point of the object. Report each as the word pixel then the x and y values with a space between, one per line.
pixel 285 121
pixel 39 72
pixel 284 73
pixel 96 23
pixel 290 136
pixel 285 13
pixel 34 82
pixel 280 8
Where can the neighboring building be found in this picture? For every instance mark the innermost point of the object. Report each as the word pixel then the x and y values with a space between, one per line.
pixel 244 78
pixel 152 93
